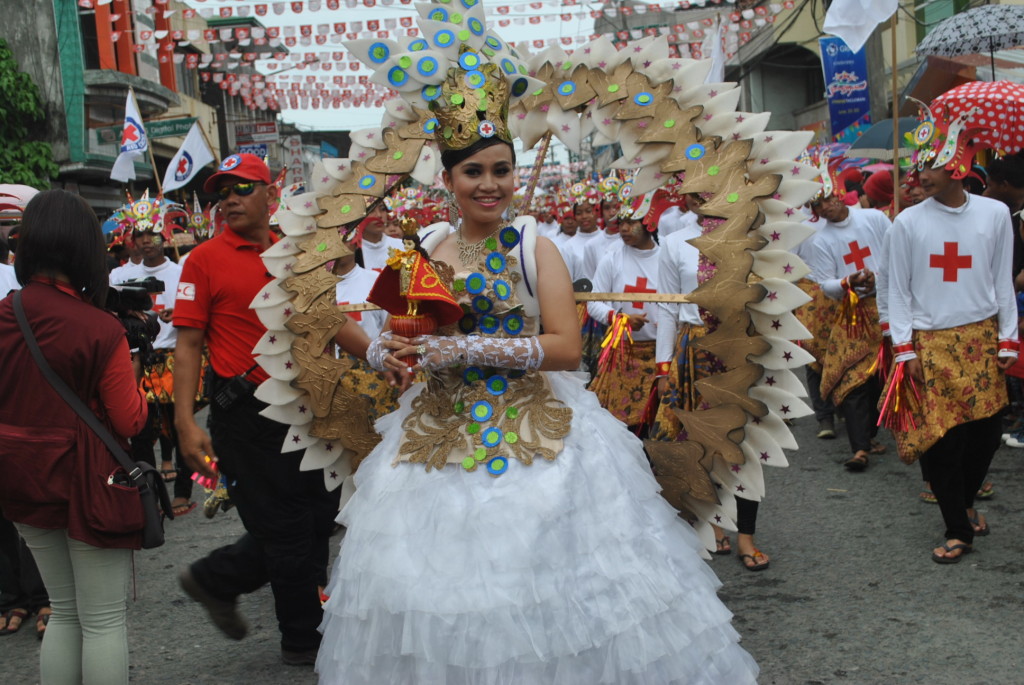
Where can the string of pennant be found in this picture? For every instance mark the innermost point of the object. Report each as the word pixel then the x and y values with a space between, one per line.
pixel 279 8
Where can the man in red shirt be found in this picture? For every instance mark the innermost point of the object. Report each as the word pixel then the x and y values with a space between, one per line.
pixel 288 514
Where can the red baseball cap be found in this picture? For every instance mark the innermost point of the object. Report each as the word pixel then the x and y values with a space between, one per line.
pixel 244 166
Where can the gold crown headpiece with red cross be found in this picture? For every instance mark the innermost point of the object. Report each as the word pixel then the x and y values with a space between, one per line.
pixel 944 141
pixel 472 103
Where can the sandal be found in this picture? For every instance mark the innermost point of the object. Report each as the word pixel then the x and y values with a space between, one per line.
pixel 754 564
pixel 857 462
pixel 877 448
pixel 42 621
pixel 987 491
pixel 20 614
pixel 169 475
pixel 182 507
pixel 980 527
pixel 963 547
pixel 723 546
pixel 928 496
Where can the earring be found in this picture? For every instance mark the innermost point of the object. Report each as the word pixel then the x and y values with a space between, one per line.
pixel 511 213
pixel 453 210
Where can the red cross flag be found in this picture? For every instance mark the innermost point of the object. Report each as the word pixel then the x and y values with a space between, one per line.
pixel 134 142
pixel 192 156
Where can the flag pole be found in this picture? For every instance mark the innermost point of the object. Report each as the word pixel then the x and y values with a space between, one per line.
pixel 895 121
pixel 149 148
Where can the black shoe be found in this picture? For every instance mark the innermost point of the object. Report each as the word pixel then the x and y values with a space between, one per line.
pixel 826 429
pixel 223 614
pixel 306 657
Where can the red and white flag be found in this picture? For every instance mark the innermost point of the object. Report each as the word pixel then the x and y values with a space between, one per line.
pixel 192 156
pixel 134 142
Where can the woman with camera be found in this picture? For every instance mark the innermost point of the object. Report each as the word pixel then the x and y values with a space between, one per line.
pixel 54 471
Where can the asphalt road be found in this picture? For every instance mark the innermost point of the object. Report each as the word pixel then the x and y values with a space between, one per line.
pixel 852 595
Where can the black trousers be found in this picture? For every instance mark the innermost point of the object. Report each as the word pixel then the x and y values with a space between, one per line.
pixel 823 409
pixel 746 516
pixel 956 466
pixel 860 410
pixel 21 587
pixel 288 515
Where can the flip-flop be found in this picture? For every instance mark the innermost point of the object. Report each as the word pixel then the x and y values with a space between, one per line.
pixel 964 547
pixel 169 475
pixel 986 492
pixel 21 614
pixel 723 546
pixel 877 448
pixel 42 621
pixel 182 509
pixel 857 462
pixel 976 523
pixel 928 496
pixel 754 565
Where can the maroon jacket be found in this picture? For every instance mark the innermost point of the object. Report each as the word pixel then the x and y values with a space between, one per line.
pixel 51 463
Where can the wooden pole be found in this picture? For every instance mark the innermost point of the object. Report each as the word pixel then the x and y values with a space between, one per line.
pixel 895 122
pixel 535 176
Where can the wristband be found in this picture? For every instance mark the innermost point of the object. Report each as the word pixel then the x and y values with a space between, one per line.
pixel 662 368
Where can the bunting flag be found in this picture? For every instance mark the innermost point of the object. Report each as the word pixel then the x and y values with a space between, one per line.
pixel 192 156
pixel 134 142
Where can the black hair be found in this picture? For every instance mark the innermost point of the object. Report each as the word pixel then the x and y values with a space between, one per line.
pixel 1009 169
pixel 449 158
pixel 60 234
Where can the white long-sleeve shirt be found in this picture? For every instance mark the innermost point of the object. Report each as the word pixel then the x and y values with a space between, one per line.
pixel 845 247
pixel 375 255
pixel 677 273
pixel 595 250
pixel 675 219
pixel 951 266
pixel 353 288
pixel 576 245
pixel 632 270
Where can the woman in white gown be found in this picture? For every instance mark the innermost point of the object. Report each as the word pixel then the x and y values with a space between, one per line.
pixel 507 529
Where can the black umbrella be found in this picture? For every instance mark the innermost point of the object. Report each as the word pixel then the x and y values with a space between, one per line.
pixel 977 31
pixel 876 143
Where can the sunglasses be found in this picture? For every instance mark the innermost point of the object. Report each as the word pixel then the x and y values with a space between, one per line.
pixel 239 189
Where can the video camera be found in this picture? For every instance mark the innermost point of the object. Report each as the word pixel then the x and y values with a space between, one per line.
pixel 132 303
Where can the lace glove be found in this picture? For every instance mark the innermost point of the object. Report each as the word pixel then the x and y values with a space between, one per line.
pixel 377 351
pixel 438 352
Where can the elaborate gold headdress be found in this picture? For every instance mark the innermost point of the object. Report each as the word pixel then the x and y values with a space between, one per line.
pixel 473 104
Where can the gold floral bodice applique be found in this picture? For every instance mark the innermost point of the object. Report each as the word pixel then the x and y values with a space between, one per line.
pixel 482 417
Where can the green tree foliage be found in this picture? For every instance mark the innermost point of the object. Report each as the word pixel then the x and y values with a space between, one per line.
pixel 24 158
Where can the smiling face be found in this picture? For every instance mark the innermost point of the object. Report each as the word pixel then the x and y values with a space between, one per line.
pixel 483 185
pixel 586 216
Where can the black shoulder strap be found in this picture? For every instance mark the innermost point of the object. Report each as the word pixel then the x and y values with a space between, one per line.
pixel 70 397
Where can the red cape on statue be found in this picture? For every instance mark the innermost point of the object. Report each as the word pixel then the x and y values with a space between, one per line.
pixel 425 287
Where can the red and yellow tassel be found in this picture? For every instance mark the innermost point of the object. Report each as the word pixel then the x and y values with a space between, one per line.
pixel 897 412
pixel 615 352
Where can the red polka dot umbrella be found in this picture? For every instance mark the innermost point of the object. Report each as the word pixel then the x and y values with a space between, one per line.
pixel 1000 108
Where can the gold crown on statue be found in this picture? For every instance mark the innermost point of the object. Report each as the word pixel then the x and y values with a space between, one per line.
pixel 471 104
pixel 409 226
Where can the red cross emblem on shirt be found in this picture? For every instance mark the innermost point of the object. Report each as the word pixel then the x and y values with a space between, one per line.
pixel 639 287
pixel 857 254
pixel 355 316
pixel 950 261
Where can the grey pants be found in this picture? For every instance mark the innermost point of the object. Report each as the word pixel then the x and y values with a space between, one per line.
pixel 87 637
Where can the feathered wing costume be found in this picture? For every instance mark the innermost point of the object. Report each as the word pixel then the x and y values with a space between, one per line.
pixel 668 123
